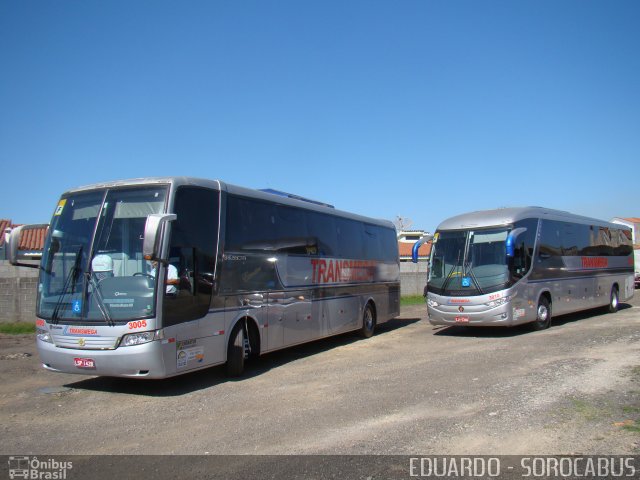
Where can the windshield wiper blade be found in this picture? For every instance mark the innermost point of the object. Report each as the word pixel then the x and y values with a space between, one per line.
pixel 72 276
pixel 104 310
pixel 448 278
pixel 467 271
pixel 475 280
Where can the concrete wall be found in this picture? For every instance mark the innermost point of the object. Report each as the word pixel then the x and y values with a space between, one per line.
pixel 413 278
pixel 18 286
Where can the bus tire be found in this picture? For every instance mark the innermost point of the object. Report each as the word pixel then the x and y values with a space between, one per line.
pixel 235 352
pixel 614 300
pixel 543 315
pixel 368 321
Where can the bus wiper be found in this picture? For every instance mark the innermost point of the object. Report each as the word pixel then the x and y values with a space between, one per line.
pixel 448 277
pixel 467 271
pixel 72 277
pixel 99 300
pixel 474 278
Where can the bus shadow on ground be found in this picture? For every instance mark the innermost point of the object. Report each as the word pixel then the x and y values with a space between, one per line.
pixel 506 332
pixel 210 377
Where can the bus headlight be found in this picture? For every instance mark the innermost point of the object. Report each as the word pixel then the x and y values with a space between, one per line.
pixel 497 302
pixel 132 339
pixel 432 303
pixel 43 335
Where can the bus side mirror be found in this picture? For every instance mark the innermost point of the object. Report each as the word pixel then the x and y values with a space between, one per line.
pixel 417 245
pixel 12 240
pixel 153 230
pixel 511 240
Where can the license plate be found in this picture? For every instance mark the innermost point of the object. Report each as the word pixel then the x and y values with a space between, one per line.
pixel 84 362
pixel 462 319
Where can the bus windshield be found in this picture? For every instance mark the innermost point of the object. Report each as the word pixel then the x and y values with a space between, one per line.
pixel 469 262
pixel 92 267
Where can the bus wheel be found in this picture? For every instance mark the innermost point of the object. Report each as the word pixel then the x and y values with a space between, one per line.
pixel 543 318
pixel 613 300
pixel 368 322
pixel 235 352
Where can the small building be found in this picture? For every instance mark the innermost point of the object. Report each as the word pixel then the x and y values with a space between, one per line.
pixel 406 240
pixel 31 240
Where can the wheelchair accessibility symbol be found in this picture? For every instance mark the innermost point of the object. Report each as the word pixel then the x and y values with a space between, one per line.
pixel 76 307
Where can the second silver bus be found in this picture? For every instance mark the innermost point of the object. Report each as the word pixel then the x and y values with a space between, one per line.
pixel 521 265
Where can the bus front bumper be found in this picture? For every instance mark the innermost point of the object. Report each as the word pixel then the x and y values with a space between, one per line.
pixel 140 361
pixel 501 316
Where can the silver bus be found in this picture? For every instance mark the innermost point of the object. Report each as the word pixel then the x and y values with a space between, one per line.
pixel 519 265
pixel 155 277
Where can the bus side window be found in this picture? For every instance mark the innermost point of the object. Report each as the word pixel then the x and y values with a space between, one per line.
pixel 550 240
pixel 525 242
pixel 436 268
pixel 182 259
pixel 194 235
pixel 350 237
pixel 322 226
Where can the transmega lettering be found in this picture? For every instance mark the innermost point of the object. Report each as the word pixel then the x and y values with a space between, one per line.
pixel 332 270
pixel 80 331
pixel 595 262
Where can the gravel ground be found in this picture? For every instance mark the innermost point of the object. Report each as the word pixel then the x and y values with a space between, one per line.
pixel 411 389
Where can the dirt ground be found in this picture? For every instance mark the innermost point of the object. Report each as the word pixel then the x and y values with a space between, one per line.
pixel 411 389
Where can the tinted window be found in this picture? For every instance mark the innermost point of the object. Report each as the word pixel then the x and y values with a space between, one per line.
pixel 292 236
pixel 524 244
pixel 568 239
pixel 550 239
pixel 193 247
pixel 323 228
pixel 251 225
pixel 350 238
pixel 251 272
pixel 577 239
pixel 372 242
pixel 388 244
pixel 380 243
pixel 254 225
pixel 622 244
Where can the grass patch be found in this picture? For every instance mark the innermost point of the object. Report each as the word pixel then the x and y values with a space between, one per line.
pixel 635 373
pixel 632 410
pixel 17 328
pixel 618 409
pixel 632 426
pixel 586 410
pixel 412 300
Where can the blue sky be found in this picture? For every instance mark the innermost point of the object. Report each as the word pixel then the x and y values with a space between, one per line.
pixel 420 109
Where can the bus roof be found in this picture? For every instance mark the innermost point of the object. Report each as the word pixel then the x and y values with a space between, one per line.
pixel 507 216
pixel 292 200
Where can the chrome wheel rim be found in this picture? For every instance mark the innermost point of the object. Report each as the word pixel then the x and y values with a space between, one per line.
pixel 368 319
pixel 543 313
